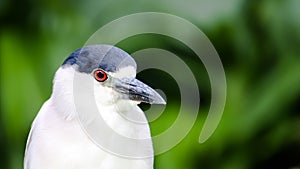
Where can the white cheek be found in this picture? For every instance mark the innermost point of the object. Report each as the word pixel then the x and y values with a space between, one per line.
pixel 104 95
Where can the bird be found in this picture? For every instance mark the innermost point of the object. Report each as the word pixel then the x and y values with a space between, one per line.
pixel 102 75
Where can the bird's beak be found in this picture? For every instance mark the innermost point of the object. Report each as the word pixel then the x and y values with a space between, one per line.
pixel 136 90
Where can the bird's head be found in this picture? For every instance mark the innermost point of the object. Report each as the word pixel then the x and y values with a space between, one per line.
pixel 112 72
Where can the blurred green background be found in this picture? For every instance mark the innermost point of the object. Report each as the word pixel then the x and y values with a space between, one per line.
pixel 258 42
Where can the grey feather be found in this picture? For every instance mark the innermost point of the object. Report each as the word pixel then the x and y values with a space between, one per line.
pixel 106 57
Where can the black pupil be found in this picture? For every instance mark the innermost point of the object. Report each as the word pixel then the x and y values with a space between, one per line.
pixel 100 75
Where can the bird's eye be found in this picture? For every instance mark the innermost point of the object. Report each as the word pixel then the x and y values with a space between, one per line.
pixel 100 75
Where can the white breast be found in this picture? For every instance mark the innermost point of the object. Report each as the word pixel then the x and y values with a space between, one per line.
pixel 56 143
pixel 57 140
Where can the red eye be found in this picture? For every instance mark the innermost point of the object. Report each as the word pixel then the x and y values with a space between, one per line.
pixel 100 75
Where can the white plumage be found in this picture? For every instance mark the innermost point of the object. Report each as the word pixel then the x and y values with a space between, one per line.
pixel 58 141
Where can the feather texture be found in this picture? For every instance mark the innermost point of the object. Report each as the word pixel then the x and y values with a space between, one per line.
pixel 57 140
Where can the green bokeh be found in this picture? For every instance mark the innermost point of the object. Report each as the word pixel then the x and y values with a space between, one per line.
pixel 258 43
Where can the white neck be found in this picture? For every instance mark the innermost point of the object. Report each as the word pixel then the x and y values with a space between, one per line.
pixel 123 116
pixel 62 94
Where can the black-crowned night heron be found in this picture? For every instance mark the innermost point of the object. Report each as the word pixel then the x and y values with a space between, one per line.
pixel 58 141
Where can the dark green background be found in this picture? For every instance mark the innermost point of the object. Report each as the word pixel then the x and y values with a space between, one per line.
pixel 258 42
